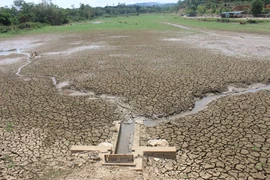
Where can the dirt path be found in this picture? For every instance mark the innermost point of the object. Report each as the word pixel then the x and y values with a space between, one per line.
pixel 229 43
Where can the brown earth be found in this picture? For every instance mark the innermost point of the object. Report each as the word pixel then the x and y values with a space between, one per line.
pixel 152 74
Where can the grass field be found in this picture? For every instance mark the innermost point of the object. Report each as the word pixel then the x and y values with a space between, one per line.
pixel 262 27
pixel 150 22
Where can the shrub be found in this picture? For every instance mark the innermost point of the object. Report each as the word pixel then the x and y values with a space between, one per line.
pixel 4 29
pixel 256 7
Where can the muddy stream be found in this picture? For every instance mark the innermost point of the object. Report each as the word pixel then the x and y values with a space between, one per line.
pixel 129 116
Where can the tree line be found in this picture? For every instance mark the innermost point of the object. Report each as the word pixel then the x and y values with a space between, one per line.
pixel 218 6
pixel 48 13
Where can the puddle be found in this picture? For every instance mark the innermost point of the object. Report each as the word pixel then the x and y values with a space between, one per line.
pixel 202 103
pixel 62 84
pixel 10 51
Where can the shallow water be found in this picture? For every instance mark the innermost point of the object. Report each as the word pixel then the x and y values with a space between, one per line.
pixel 10 51
pixel 201 104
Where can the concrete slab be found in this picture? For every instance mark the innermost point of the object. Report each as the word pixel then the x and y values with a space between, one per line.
pixel 137 151
pixel 101 149
pixel 119 164
pixel 161 152
pixel 139 164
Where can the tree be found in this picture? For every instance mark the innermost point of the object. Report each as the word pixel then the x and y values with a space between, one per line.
pixel 18 3
pixel 4 19
pixel 256 7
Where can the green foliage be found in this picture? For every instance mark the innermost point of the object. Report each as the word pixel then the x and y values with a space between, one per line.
pixel 30 25
pixel 9 127
pixel 4 29
pixel 201 9
pixel 4 18
pixel 217 6
pixel 256 7
pixel 22 14
pixel 148 22
pixel 8 160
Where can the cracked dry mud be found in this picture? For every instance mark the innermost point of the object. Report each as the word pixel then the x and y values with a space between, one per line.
pixel 154 78
pixel 228 140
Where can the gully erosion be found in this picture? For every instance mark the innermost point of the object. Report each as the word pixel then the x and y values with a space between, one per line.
pixel 129 115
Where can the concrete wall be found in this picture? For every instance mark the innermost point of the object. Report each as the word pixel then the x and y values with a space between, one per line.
pixel 119 158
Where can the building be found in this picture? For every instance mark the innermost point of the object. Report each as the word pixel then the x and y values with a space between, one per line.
pixel 233 14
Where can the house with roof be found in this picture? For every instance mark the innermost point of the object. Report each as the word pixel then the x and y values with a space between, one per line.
pixel 233 14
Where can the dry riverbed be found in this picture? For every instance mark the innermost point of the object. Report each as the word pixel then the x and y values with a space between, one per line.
pixel 80 83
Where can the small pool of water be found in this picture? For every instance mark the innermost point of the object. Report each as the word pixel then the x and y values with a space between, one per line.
pixel 201 104
pixel 10 51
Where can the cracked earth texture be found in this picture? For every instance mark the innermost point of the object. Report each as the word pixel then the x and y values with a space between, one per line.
pixel 228 140
pixel 38 126
pixel 156 78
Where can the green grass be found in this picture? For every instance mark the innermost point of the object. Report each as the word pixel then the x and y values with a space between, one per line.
pixel 142 22
pixel 260 28
pixel 9 127
pixel 147 22
pixel 9 161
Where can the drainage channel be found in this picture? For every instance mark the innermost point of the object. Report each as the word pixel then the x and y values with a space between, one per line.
pixel 125 140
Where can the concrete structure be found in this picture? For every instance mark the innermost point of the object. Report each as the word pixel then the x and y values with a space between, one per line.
pixel 233 14
pixel 133 160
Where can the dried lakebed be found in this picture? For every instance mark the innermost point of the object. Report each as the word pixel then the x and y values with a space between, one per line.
pixel 127 127
pixel 62 100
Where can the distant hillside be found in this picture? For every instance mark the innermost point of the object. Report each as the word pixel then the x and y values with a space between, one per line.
pixel 153 4
pixel 217 6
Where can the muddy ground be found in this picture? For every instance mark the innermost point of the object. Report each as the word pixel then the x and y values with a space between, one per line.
pixel 154 74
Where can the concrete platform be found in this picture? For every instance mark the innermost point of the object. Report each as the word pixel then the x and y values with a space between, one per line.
pixel 160 152
pixel 100 149
pixel 133 160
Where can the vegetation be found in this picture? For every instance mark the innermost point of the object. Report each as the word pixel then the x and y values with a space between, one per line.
pixel 256 7
pixel 146 22
pixel 218 6
pixel 9 162
pixel 252 26
pixel 9 127
pixel 24 15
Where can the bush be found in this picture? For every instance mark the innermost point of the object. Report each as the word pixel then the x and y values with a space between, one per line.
pixel 251 21
pixel 23 26
pixel 256 7
pixel 223 20
pixel 30 25
pixel 4 29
